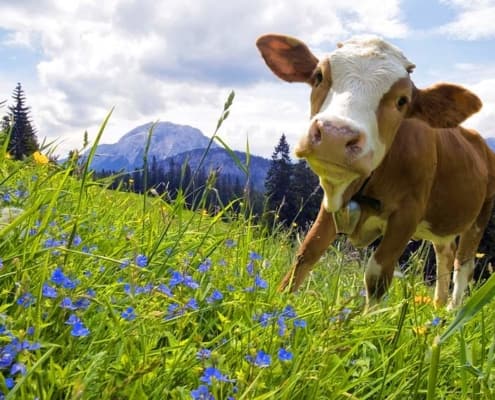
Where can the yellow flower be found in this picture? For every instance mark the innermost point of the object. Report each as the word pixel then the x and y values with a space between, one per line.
pixel 420 330
pixel 480 255
pixel 8 156
pixel 422 300
pixel 40 158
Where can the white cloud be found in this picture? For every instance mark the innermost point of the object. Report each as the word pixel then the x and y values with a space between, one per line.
pixel 173 60
pixel 474 21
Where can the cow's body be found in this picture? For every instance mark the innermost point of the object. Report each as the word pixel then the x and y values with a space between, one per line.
pixel 430 178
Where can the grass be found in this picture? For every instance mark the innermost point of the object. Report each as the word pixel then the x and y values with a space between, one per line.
pixel 112 295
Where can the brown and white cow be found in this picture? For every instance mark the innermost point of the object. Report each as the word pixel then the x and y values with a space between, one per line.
pixel 391 158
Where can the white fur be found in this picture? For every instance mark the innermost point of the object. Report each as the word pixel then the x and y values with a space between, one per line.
pixel 461 281
pixel 363 70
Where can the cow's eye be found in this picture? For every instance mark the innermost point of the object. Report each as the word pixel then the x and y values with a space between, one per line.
pixel 318 78
pixel 401 102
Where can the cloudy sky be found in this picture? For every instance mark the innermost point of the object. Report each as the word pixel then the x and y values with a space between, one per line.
pixel 177 60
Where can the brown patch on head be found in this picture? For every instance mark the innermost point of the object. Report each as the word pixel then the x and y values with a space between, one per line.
pixel 288 57
pixel 321 81
pixel 444 105
pixel 392 110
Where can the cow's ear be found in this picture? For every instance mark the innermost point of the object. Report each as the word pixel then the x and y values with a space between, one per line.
pixel 444 105
pixel 288 58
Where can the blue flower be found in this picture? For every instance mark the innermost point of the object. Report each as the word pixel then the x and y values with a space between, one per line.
pixel 77 240
pixel 58 276
pixel 30 331
pixel 165 290
pixel 6 197
pixel 141 260
pixel 261 360
pixel 192 304
pixel 300 323
pixel 253 256
pixel 250 268
pixel 82 303
pixel 259 282
pixel 67 304
pixel 48 291
pixel 215 296
pixel 176 278
pixel 230 243
pixel 284 355
pixel 281 325
pixel 205 265
pixel 26 300
pixel 7 356
pixel 72 320
pixel 190 282
pixel 1 263
pixel 264 319
pixel 213 373
pixel 18 368
pixel 202 393
pixel 69 283
pixel 91 292
pixel 289 312
pixel 128 314
pixel 9 382
pixel 203 354
pixel 79 330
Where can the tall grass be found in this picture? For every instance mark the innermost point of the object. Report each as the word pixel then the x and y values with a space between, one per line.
pixel 113 295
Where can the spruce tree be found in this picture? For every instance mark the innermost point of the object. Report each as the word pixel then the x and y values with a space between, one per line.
pixel 23 141
pixel 307 194
pixel 278 184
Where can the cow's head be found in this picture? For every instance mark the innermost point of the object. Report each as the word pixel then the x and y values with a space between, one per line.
pixel 361 92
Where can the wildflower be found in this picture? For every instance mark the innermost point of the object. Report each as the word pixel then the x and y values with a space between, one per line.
pixel 250 268
pixel 40 159
pixel 176 278
pixel 281 325
pixel 18 368
pixel 422 300
pixel 230 243
pixel 82 303
pixel 289 312
pixel 7 356
pixel 261 360
pixel 128 314
pixel 26 300
pixel 30 331
pixel 192 304
pixel 205 265
pixel 9 382
pixel 73 319
pixel 264 319
pixel 253 256
pixel 202 393
pixel 203 354
pixel 420 330
pixel 1 263
pixel 284 355
pixel 67 304
pixel 300 323
pixel 141 260
pixel 190 282
pixel 77 240
pixel 259 282
pixel 58 276
pixel 48 291
pixel 213 373
pixel 7 198
pixel 91 292
pixel 215 296
pixel 79 330
pixel 173 310
pixel 165 290
pixel 436 321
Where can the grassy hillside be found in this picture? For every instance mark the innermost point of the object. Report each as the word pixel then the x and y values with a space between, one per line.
pixel 110 295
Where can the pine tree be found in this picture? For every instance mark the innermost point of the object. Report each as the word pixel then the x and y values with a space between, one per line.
pixel 307 194
pixel 23 141
pixel 278 184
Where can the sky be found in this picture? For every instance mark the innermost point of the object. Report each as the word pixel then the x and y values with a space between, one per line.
pixel 177 60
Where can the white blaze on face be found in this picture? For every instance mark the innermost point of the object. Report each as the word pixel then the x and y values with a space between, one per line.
pixel 363 69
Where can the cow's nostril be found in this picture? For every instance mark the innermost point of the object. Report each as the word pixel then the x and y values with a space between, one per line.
pixel 315 133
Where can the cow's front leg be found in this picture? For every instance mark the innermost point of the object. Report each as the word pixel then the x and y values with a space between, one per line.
pixel 319 237
pixel 380 268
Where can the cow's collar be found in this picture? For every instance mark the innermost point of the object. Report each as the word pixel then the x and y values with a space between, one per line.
pixel 362 199
pixel 347 218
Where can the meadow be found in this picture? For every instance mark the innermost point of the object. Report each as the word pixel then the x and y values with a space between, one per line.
pixel 112 295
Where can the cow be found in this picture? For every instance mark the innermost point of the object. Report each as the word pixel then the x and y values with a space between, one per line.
pixel 391 158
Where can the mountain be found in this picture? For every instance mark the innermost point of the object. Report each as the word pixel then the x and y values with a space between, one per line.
pixel 176 144
pixel 491 142
pixel 168 140
pixel 220 160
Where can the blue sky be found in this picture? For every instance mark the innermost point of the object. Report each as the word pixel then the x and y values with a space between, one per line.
pixel 177 60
